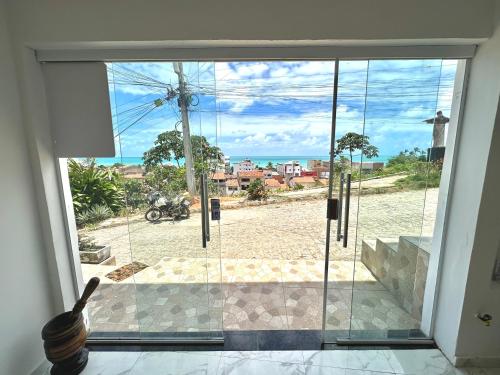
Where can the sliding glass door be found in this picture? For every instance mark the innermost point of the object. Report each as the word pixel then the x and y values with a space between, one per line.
pixel 165 273
pixel 388 160
pixel 254 138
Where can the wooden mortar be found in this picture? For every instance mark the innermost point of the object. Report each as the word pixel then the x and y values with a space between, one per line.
pixel 65 335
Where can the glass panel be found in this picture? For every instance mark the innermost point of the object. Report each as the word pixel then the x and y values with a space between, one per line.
pixel 275 121
pixel 396 175
pixel 350 113
pixel 168 265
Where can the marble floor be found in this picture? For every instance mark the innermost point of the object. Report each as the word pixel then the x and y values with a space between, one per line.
pixel 341 362
pixel 189 295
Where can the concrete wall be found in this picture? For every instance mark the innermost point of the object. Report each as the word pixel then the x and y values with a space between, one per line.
pixel 473 235
pixel 26 299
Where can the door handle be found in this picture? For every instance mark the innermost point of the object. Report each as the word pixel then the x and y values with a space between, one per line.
pixel 347 204
pixel 341 195
pixel 203 217
pixel 205 194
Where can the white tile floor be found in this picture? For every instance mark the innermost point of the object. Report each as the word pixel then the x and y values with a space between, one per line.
pixel 336 362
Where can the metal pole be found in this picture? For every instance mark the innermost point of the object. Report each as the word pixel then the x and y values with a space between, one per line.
pixel 186 134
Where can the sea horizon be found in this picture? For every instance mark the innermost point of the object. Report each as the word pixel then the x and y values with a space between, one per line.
pixel 259 161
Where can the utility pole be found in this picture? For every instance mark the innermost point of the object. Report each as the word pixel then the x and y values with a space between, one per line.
pixel 186 134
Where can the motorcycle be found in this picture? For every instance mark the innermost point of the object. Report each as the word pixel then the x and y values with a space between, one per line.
pixel 160 206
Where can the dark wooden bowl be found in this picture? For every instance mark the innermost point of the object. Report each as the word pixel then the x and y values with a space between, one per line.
pixel 64 337
pixel 64 343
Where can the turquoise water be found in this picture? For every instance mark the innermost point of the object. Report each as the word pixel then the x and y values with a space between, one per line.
pixel 261 161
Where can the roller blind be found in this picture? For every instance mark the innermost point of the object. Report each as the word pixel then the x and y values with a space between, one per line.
pixel 79 109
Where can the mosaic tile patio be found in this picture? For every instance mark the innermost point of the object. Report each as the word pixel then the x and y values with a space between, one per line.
pixel 174 296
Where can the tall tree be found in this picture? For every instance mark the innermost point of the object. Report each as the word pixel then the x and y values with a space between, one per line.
pixel 169 145
pixel 352 142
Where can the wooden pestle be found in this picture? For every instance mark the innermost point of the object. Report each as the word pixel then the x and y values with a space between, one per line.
pixel 89 289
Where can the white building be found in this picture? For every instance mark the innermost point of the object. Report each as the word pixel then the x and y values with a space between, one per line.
pixel 289 168
pixel 243 166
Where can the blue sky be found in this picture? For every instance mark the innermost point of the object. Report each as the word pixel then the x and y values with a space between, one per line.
pixel 284 108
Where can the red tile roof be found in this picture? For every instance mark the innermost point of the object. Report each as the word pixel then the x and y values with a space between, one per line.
pixel 218 176
pixel 255 173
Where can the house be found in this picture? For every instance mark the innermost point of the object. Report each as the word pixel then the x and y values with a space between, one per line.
pixel 306 173
pixel 307 182
pixel 232 186
pixel 321 167
pixel 243 166
pixel 272 184
pixel 245 178
pixel 219 179
pixel 290 168
pixel 268 173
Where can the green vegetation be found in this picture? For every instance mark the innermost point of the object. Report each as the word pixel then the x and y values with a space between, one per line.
pixel 96 191
pixel 167 179
pixel 298 187
pixel 168 146
pixel 94 214
pixel 257 191
pixel 351 142
pixel 135 191
pixel 413 163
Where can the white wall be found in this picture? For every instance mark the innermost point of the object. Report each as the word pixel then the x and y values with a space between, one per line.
pixel 26 300
pixel 103 23
pixel 473 234
pixel 98 22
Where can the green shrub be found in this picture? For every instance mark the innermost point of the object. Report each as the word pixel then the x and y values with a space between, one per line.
pixel 257 191
pixel 135 192
pixel 95 186
pixel 168 180
pixel 94 214
pixel 425 176
pixel 298 187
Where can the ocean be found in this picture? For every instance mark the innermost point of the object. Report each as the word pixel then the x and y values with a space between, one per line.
pixel 260 161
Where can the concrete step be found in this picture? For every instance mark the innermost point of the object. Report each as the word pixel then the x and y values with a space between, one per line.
pixel 390 244
pixel 422 243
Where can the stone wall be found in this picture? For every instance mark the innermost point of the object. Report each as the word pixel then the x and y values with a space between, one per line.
pixel 401 266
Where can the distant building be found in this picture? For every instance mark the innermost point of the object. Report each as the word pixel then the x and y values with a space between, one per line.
pixel 245 178
pixel 272 184
pixel 219 179
pixel 232 186
pixel 321 167
pixel 290 168
pixel 243 166
pixel 227 164
pixel 311 164
pixel 268 173
pixel 305 173
pixel 368 166
pixel 307 181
